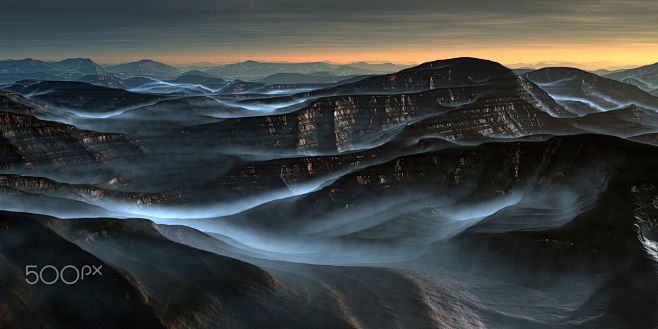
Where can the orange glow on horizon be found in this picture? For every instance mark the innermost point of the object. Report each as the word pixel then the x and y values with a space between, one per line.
pixel 588 57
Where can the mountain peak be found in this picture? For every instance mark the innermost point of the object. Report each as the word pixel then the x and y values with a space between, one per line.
pixel 457 61
pixel 146 60
pixel 145 67
pixel 77 59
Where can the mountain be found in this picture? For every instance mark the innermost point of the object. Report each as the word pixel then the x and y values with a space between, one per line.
pixel 239 87
pixel 644 77
pixel 523 70
pixel 626 122
pixel 145 67
pixel 105 80
pixel 431 75
pixel 301 78
pixel 453 194
pixel 447 178
pixel 201 79
pixel 583 92
pixel 136 82
pixel 156 293
pixel 27 65
pixel 349 70
pixel 254 69
pixel 604 72
pixel 81 96
pixel 79 65
pixel 587 66
pixel 197 73
pixel 380 68
pixel 68 69
pixel 516 234
pixel 257 70
pixel 15 103
pixel 130 297
pixel 10 78
pixel 34 145
pixel 459 99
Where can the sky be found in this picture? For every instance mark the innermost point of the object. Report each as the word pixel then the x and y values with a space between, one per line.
pixel 601 33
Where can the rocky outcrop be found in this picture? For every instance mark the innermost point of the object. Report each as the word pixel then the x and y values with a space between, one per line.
pixel 31 144
pixel 469 175
pixel 375 107
pixel 50 144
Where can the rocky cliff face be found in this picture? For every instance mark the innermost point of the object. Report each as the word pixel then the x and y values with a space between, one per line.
pixel 43 143
pixel 517 251
pixel 492 172
pixel 79 192
pixel 12 102
pixel 31 144
pixel 499 101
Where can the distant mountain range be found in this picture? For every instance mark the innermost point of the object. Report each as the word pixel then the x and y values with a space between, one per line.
pixel 71 65
pixel 295 78
pixel 588 66
pixel 87 70
pixel 77 68
pixel 68 69
pixel 253 69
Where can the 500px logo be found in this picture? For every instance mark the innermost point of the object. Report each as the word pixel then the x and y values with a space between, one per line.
pixel 68 274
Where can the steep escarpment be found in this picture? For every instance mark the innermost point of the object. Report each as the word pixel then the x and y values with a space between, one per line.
pixel 47 196
pixel 12 102
pixel 336 124
pixel 422 195
pixel 35 144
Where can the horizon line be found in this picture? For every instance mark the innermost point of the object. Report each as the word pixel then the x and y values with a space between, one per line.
pixel 593 65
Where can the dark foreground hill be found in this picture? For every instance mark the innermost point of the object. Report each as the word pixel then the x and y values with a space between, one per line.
pixel 578 243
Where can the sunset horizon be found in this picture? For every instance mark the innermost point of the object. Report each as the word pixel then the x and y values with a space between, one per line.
pixel 605 34
pixel 582 61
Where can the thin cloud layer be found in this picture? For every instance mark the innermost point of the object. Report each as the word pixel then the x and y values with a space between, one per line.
pixel 125 28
